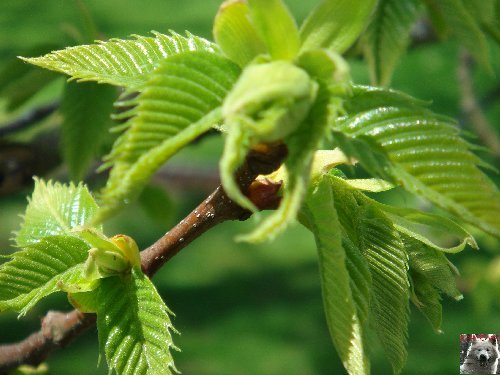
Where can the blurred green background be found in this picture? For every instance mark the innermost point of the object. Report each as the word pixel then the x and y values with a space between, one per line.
pixel 245 309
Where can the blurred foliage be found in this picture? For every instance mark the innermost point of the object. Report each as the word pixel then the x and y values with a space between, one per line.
pixel 246 309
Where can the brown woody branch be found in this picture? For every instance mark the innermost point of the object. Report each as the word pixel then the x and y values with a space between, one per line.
pixel 59 329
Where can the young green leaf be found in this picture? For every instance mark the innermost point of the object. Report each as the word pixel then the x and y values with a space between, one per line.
pixel 427 155
pixel 387 37
pixel 235 33
pixel 343 318
pixel 55 209
pixel 126 63
pixel 427 300
pixel 335 24
pixel 276 27
pixel 178 104
pixel 464 27
pixel 267 104
pixel 370 230
pixel 134 326
pixel 432 265
pixel 86 109
pixel 39 270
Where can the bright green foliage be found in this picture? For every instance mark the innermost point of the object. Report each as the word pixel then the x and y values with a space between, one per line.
pixel 463 25
pixel 387 36
pixel 335 24
pixel 134 326
pixel 341 296
pixel 426 154
pixel 273 20
pixel 486 13
pixel 55 209
pixel 268 103
pixel 235 34
pixel 38 270
pixel 86 109
pixel 374 235
pixel 126 63
pixel 178 104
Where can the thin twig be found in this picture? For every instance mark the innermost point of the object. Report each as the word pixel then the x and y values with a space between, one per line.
pixel 470 105
pixel 59 329
pixel 28 119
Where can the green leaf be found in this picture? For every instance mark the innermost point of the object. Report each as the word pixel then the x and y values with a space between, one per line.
pixel 435 231
pixel 387 37
pixel 381 246
pixel 464 27
pixel 276 27
pixel 179 103
pixel 86 109
pixel 302 144
pixel 427 300
pixel 344 321
pixel 335 24
pixel 126 63
pixel 55 209
pixel 486 13
pixel 432 265
pixel 426 154
pixel 134 326
pixel 235 34
pixel 39 270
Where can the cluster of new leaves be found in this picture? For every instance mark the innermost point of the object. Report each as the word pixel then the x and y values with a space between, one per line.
pixel 268 81
pixel 59 251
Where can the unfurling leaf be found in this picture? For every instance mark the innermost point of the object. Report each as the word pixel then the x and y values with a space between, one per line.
pixel 267 104
pixel 335 24
pixel 119 62
pixel 134 326
pixel 235 33
pixel 55 209
pixel 273 21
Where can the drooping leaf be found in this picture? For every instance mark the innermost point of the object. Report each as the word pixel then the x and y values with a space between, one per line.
pixel 387 37
pixel 463 26
pixel 345 322
pixel 178 104
pixel 134 326
pixel 426 154
pixel 381 246
pixel 39 270
pixel 433 265
pixel 86 109
pixel 335 24
pixel 276 27
pixel 235 34
pixel 435 231
pixel 126 63
pixel 427 300
pixel 55 209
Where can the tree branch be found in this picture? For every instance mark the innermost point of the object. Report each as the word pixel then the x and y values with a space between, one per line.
pixel 59 329
pixel 28 119
pixel 470 105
